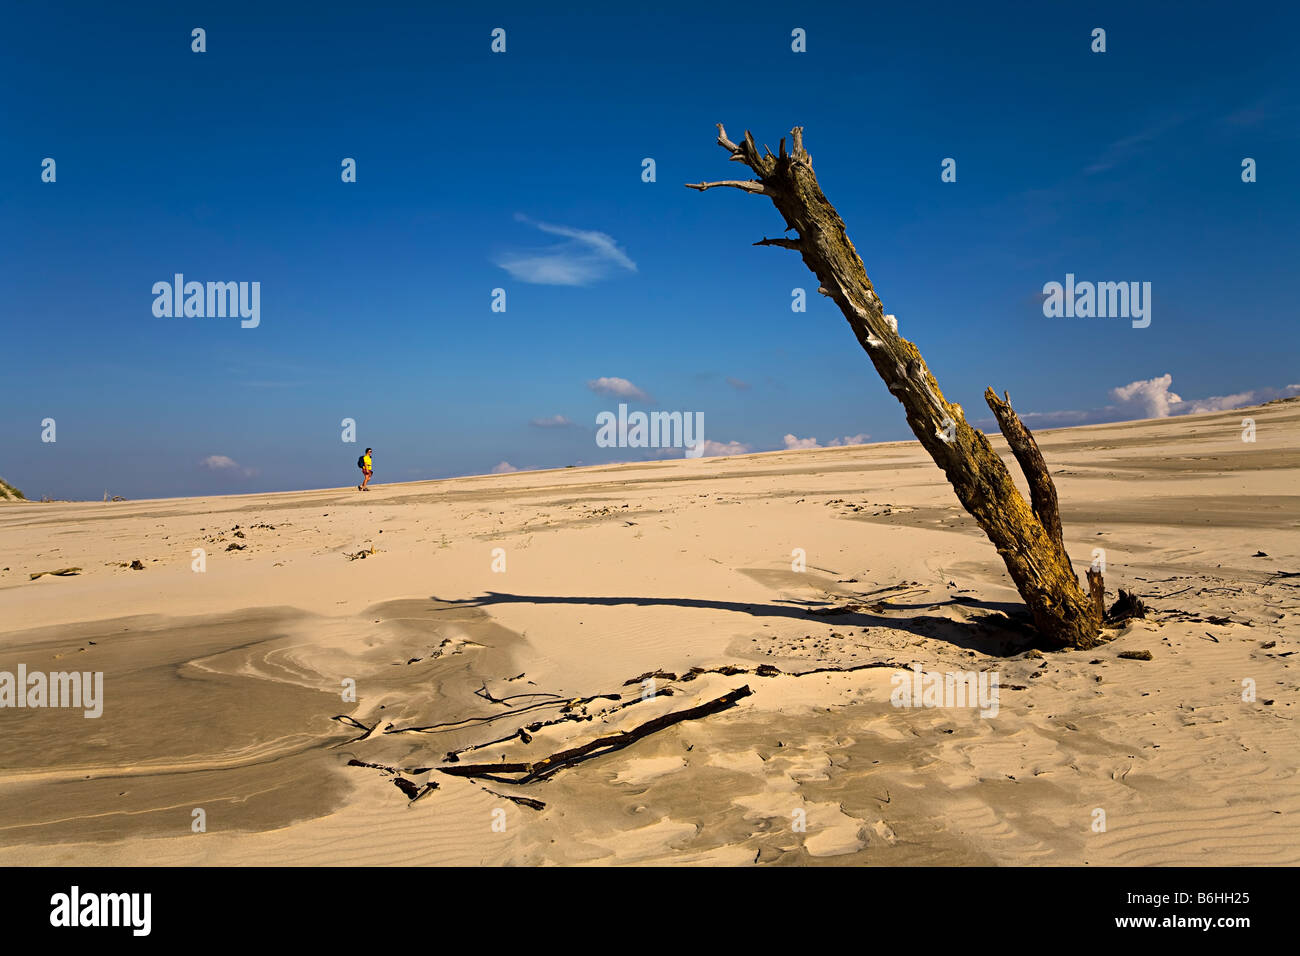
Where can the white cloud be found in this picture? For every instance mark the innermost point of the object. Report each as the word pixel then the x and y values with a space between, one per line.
pixel 220 463
pixel 1220 403
pixel 618 388
pixel 503 468
pixel 1151 397
pixel 1155 400
pixel 586 257
pixel 717 449
pixel 554 421
pixel 792 443
pixel 226 465
pixel 1148 398
pixel 738 384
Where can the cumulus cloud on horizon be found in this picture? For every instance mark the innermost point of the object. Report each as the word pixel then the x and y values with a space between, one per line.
pixel 792 443
pixel 1143 398
pixel 586 257
pixel 1149 398
pixel 717 449
pixel 503 468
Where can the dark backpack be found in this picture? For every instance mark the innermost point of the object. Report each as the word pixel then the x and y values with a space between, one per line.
pixel 361 462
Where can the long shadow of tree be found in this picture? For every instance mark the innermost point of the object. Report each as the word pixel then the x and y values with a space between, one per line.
pixel 1015 631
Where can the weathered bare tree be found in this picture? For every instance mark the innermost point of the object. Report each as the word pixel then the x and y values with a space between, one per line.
pixel 1029 538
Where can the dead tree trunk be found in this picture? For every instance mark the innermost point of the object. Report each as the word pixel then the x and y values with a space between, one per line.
pixel 1028 538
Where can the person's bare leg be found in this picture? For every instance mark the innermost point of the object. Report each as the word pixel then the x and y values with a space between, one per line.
pixel 367 480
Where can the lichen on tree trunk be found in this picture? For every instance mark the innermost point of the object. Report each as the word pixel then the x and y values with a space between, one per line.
pixel 1029 539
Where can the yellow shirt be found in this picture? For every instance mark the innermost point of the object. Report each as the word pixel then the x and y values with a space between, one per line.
pixel 366 461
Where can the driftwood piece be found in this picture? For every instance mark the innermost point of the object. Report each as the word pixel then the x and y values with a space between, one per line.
pixel 1031 549
pixel 1128 606
pixel 528 802
pixel 525 732
pixel 61 573
pixel 541 769
pixel 565 706
pixel 413 790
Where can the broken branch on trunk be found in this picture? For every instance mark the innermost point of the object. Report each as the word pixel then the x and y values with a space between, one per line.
pixel 749 185
pixel 1028 538
pixel 1042 490
pixel 783 243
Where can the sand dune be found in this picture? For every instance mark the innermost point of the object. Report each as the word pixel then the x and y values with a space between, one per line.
pixel 632 593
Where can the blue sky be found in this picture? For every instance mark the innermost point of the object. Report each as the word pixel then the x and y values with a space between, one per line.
pixel 523 171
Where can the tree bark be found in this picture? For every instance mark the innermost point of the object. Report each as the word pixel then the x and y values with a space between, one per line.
pixel 1028 539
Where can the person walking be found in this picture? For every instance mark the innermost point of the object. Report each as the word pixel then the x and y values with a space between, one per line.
pixel 366 464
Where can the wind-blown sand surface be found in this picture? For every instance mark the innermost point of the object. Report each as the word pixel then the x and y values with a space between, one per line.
pixel 224 689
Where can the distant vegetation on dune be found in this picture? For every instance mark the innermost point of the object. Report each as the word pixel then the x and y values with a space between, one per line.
pixel 9 492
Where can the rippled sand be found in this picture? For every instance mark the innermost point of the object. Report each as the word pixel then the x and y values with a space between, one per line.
pixel 633 593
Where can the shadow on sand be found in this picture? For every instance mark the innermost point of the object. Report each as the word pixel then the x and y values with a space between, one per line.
pixel 992 634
